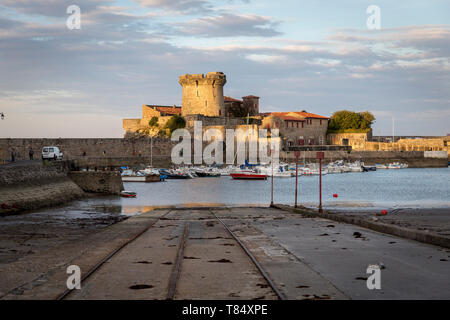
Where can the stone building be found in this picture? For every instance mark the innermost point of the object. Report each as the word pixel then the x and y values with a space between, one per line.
pixel 249 105
pixel 203 94
pixel 203 100
pixel 365 142
pixel 297 128
pixel 163 113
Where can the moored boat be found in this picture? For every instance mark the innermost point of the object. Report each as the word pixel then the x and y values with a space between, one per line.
pixel 141 178
pixel 128 194
pixel 248 176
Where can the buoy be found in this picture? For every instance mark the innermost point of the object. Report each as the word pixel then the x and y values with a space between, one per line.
pixel 335 195
pixel 384 212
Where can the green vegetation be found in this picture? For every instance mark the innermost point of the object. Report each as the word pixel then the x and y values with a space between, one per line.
pixel 153 122
pixel 175 122
pixel 345 121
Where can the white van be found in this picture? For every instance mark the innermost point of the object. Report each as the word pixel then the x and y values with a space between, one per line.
pixel 51 153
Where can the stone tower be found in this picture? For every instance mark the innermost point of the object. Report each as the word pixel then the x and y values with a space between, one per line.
pixel 203 94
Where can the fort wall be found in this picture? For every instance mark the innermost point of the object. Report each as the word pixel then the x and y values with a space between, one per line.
pixel 73 148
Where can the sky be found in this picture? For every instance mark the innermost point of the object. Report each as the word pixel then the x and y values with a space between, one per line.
pixel 317 56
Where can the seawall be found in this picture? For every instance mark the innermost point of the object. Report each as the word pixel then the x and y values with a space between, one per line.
pixel 107 182
pixel 33 186
pixel 74 148
pixel 115 152
pixel 415 159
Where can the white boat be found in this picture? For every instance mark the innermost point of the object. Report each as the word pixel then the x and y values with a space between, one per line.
pixel 279 171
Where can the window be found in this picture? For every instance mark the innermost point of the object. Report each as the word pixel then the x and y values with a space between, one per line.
pixel 287 124
pixel 303 124
pixel 297 125
pixel 320 121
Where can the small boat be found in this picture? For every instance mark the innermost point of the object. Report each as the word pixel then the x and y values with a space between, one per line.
pixel 174 174
pixel 138 178
pixel 369 168
pixel 128 194
pixel 248 176
pixel 206 174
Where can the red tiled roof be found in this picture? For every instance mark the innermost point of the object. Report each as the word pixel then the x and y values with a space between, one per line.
pixel 285 116
pixel 230 99
pixel 166 109
pixel 311 115
pixel 301 114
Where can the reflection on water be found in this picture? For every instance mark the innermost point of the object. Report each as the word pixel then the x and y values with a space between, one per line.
pixel 382 188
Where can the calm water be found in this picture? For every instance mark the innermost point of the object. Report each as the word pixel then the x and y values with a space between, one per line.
pixel 383 188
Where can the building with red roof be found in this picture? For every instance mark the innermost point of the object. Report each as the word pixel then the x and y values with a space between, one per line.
pixel 297 127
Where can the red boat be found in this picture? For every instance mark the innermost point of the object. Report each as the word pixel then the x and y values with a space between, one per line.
pixel 128 194
pixel 249 176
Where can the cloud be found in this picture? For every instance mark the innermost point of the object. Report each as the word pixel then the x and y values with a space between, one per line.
pixel 229 25
pixel 123 58
pixel 179 6
pixel 53 8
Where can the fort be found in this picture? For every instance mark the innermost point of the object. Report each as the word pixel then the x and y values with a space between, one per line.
pixel 203 94
pixel 203 100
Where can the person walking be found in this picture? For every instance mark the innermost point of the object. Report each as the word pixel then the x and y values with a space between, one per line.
pixel 13 156
pixel 31 153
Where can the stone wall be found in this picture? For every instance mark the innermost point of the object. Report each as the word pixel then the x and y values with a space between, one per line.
pixel 94 148
pixel 309 131
pixel 415 159
pixel 212 121
pixel 364 142
pixel 355 140
pixel 107 182
pixel 32 186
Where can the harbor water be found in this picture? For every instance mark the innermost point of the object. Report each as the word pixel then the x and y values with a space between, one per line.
pixel 415 188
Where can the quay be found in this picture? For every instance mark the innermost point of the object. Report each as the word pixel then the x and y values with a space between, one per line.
pixel 221 253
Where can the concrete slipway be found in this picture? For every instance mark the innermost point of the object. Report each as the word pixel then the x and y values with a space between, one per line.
pixel 303 257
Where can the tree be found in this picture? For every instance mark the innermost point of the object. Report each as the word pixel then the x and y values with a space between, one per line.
pixel 175 122
pixel 153 122
pixel 367 120
pixel 349 120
